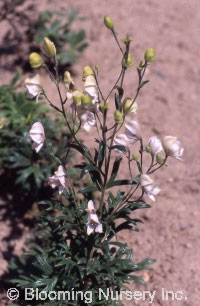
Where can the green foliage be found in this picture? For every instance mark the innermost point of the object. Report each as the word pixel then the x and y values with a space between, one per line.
pixel 27 26
pixel 17 159
pixel 64 257
pixel 56 25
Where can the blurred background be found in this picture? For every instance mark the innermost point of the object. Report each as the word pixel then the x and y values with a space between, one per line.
pixel 168 105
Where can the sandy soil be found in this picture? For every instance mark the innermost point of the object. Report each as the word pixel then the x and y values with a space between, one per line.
pixel 168 105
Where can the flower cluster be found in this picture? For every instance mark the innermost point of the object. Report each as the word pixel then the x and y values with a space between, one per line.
pixel 171 146
pixel 84 104
pixel 88 105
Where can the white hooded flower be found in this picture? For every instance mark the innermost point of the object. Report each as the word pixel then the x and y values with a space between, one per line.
pixel 70 86
pixel 34 86
pixel 129 106
pixel 132 129
pixel 155 144
pixel 58 179
pixel 37 135
pixel 172 147
pixel 93 224
pixel 91 88
pixel 148 186
pixel 87 120
pixel 123 140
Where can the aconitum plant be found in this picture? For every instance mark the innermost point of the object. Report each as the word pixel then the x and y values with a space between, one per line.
pixel 77 250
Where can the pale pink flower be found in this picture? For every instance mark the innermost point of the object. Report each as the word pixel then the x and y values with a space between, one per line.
pixel 132 129
pixel 34 86
pixel 148 186
pixel 91 88
pixel 58 179
pixel 172 147
pixel 37 135
pixel 155 144
pixel 87 120
pixel 93 224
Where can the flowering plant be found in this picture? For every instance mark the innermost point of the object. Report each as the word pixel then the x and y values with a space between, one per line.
pixel 22 169
pixel 77 247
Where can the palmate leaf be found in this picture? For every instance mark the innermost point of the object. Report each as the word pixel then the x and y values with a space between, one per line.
pixel 67 57
pixel 75 37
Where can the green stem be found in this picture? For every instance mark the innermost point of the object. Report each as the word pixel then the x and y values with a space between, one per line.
pixel 117 41
pixel 164 161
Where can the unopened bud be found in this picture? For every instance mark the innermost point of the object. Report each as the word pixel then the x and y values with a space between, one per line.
pixel 108 23
pixel 118 117
pixel 77 99
pixel 129 106
pixel 104 107
pixel 159 159
pixel 148 149
pixel 48 47
pixel 135 157
pixel 87 70
pixel 150 55
pixel 35 60
pixel 67 77
pixel 127 62
pixel 127 40
pixel 86 100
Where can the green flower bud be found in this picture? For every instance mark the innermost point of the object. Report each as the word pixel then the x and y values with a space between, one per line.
pixel 35 60
pixel 127 62
pixel 86 100
pixel 148 149
pixel 150 55
pixel 118 117
pixel 135 157
pixel 87 70
pixel 67 77
pixel 129 106
pixel 77 99
pixel 108 23
pixel 104 107
pixel 159 159
pixel 48 47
